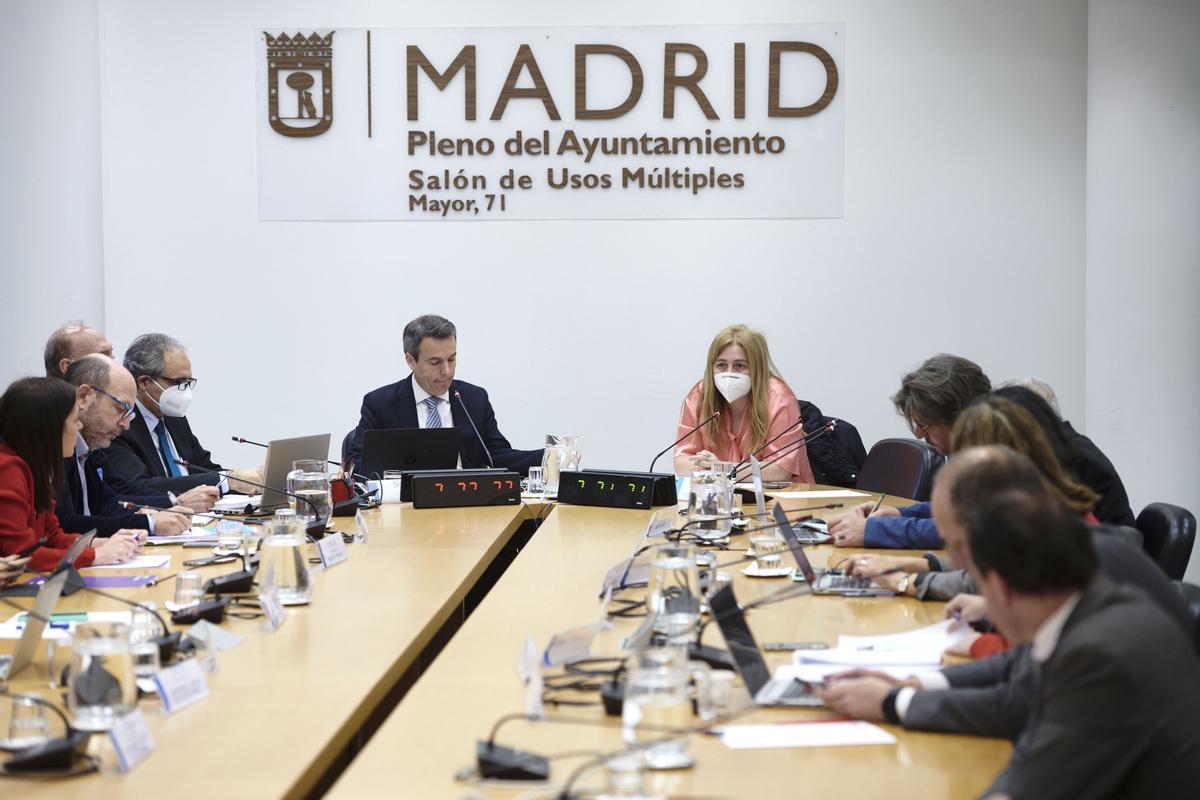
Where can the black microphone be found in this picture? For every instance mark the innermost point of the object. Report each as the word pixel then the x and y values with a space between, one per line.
pixel 715 414
pixel 808 437
pixel 792 447
pixel 315 529
pixel 243 440
pixel 486 452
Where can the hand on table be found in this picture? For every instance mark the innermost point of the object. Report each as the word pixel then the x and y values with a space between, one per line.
pixel 700 461
pixel 965 609
pixel 861 698
pixel 174 521
pixel 870 565
pixel 11 568
pixel 849 530
pixel 199 498
pixel 118 548
pixel 862 672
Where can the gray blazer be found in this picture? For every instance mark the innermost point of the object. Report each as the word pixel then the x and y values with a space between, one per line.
pixel 1116 708
pixel 992 696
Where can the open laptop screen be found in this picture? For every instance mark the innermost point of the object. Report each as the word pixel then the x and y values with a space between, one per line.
pixel 789 536
pixel 742 646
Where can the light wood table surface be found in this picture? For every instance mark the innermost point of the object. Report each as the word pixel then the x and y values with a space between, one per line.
pixel 552 587
pixel 284 705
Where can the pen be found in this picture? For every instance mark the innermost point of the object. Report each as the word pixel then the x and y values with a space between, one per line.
pixel 878 503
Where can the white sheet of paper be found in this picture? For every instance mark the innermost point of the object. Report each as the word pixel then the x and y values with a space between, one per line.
pixel 869 658
pixel 815 673
pixel 192 534
pixel 817 494
pixel 139 562
pixel 12 627
pixel 937 636
pixel 804 734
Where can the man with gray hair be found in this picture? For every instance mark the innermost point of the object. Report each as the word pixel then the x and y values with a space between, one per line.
pixel 70 342
pixel 104 392
pixel 431 398
pixel 145 458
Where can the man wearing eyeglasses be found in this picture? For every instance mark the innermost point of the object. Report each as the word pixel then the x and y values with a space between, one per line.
pixel 145 458
pixel 104 393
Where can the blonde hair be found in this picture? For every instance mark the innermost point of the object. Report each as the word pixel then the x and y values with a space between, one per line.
pixel 995 420
pixel 762 369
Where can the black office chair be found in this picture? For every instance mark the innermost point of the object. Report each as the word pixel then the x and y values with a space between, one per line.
pixel 835 458
pixel 1168 533
pixel 349 437
pixel 1191 598
pixel 901 467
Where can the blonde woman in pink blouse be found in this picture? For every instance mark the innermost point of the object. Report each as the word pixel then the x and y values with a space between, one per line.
pixel 756 405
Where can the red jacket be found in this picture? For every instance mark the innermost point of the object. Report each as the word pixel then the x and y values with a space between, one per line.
pixel 21 526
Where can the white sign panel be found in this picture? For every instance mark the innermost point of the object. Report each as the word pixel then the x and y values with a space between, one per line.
pixel 736 121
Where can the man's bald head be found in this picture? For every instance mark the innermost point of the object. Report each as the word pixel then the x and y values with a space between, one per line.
pixel 70 343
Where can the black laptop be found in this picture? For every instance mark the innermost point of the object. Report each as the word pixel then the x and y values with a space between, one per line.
pixel 407 449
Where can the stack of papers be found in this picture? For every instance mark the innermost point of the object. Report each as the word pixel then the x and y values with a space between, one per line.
pixel 817 494
pixel 139 562
pixel 818 733
pixel 236 502
pixel 899 654
pixel 192 535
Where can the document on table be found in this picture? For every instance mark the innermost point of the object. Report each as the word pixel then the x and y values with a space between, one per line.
pixel 199 535
pixel 139 562
pixel 937 636
pixel 62 624
pixel 817 494
pixel 915 648
pixel 818 673
pixel 236 502
pixel 804 734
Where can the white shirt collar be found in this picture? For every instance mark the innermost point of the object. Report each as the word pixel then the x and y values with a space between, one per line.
pixel 81 447
pixel 421 394
pixel 1046 637
pixel 149 416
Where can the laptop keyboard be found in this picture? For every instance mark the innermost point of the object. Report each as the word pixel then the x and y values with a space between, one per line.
pixel 846 582
pixel 795 691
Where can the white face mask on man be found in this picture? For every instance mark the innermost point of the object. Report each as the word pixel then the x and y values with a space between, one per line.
pixel 174 402
pixel 733 386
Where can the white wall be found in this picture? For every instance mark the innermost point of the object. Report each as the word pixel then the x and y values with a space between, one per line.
pixel 51 267
pixel 963 231
pixel 1143 246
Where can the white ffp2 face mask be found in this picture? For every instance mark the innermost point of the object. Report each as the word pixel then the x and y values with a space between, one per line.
pixel 733 386
pixel 174 402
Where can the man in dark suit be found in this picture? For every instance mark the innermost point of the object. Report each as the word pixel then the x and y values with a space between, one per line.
pixel 1100 690
pixel 105 394
pixel 431 398
pixel 144 459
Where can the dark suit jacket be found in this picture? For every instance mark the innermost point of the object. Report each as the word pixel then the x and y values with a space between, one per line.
pixel 394 406
pixel 992 696
pixel 1116 710
pixel 1095 470
pixel 107 517
pixel 132 467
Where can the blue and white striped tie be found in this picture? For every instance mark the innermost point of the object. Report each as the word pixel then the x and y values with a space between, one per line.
pixel 432 418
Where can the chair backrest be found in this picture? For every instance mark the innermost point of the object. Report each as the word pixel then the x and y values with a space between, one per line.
pixel 900 467
pixel 1168 533
pixel 346 440
pixel 1191 598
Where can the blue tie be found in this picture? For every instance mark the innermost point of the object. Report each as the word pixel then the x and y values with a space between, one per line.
pixel 432 418
pixel 168 455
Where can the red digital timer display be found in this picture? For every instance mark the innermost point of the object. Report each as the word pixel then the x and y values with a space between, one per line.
pixel 448 490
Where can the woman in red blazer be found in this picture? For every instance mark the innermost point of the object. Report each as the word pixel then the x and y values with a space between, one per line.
pixel 38 425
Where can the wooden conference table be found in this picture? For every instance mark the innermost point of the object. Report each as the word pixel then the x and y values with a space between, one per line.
pixel 553 587
pixel 286 706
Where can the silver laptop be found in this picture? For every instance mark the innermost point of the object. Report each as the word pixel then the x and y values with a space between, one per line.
pixel 35 624
pixel 68 560
pixel 824 582
pixel 280 455
pixel 749 661
pixel 809 531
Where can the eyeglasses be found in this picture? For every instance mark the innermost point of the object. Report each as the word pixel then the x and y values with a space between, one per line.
pixel 187 384
pixel 126 408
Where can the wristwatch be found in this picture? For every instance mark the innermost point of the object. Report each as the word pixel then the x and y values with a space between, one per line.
pixel 902 587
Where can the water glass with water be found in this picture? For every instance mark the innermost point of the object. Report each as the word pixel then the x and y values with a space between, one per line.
pixel 189 587
pixel 534 483
pixel 768 548
pixel 674 590
pixel 657 704
pixel 309 482
pixel 229 535
pixel 103 680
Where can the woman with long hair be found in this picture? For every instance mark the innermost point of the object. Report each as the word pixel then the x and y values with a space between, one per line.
pixel 755 404
pixel 38 424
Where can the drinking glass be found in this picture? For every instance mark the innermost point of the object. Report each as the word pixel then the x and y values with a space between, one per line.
pixel 309 481
pixel 229 535
pixel 28 724
pixel 674 590
pixel 768 548
pixel 534 483
pixel 656 704
pixel 189 588
pixel 103 681
pixel 710 504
